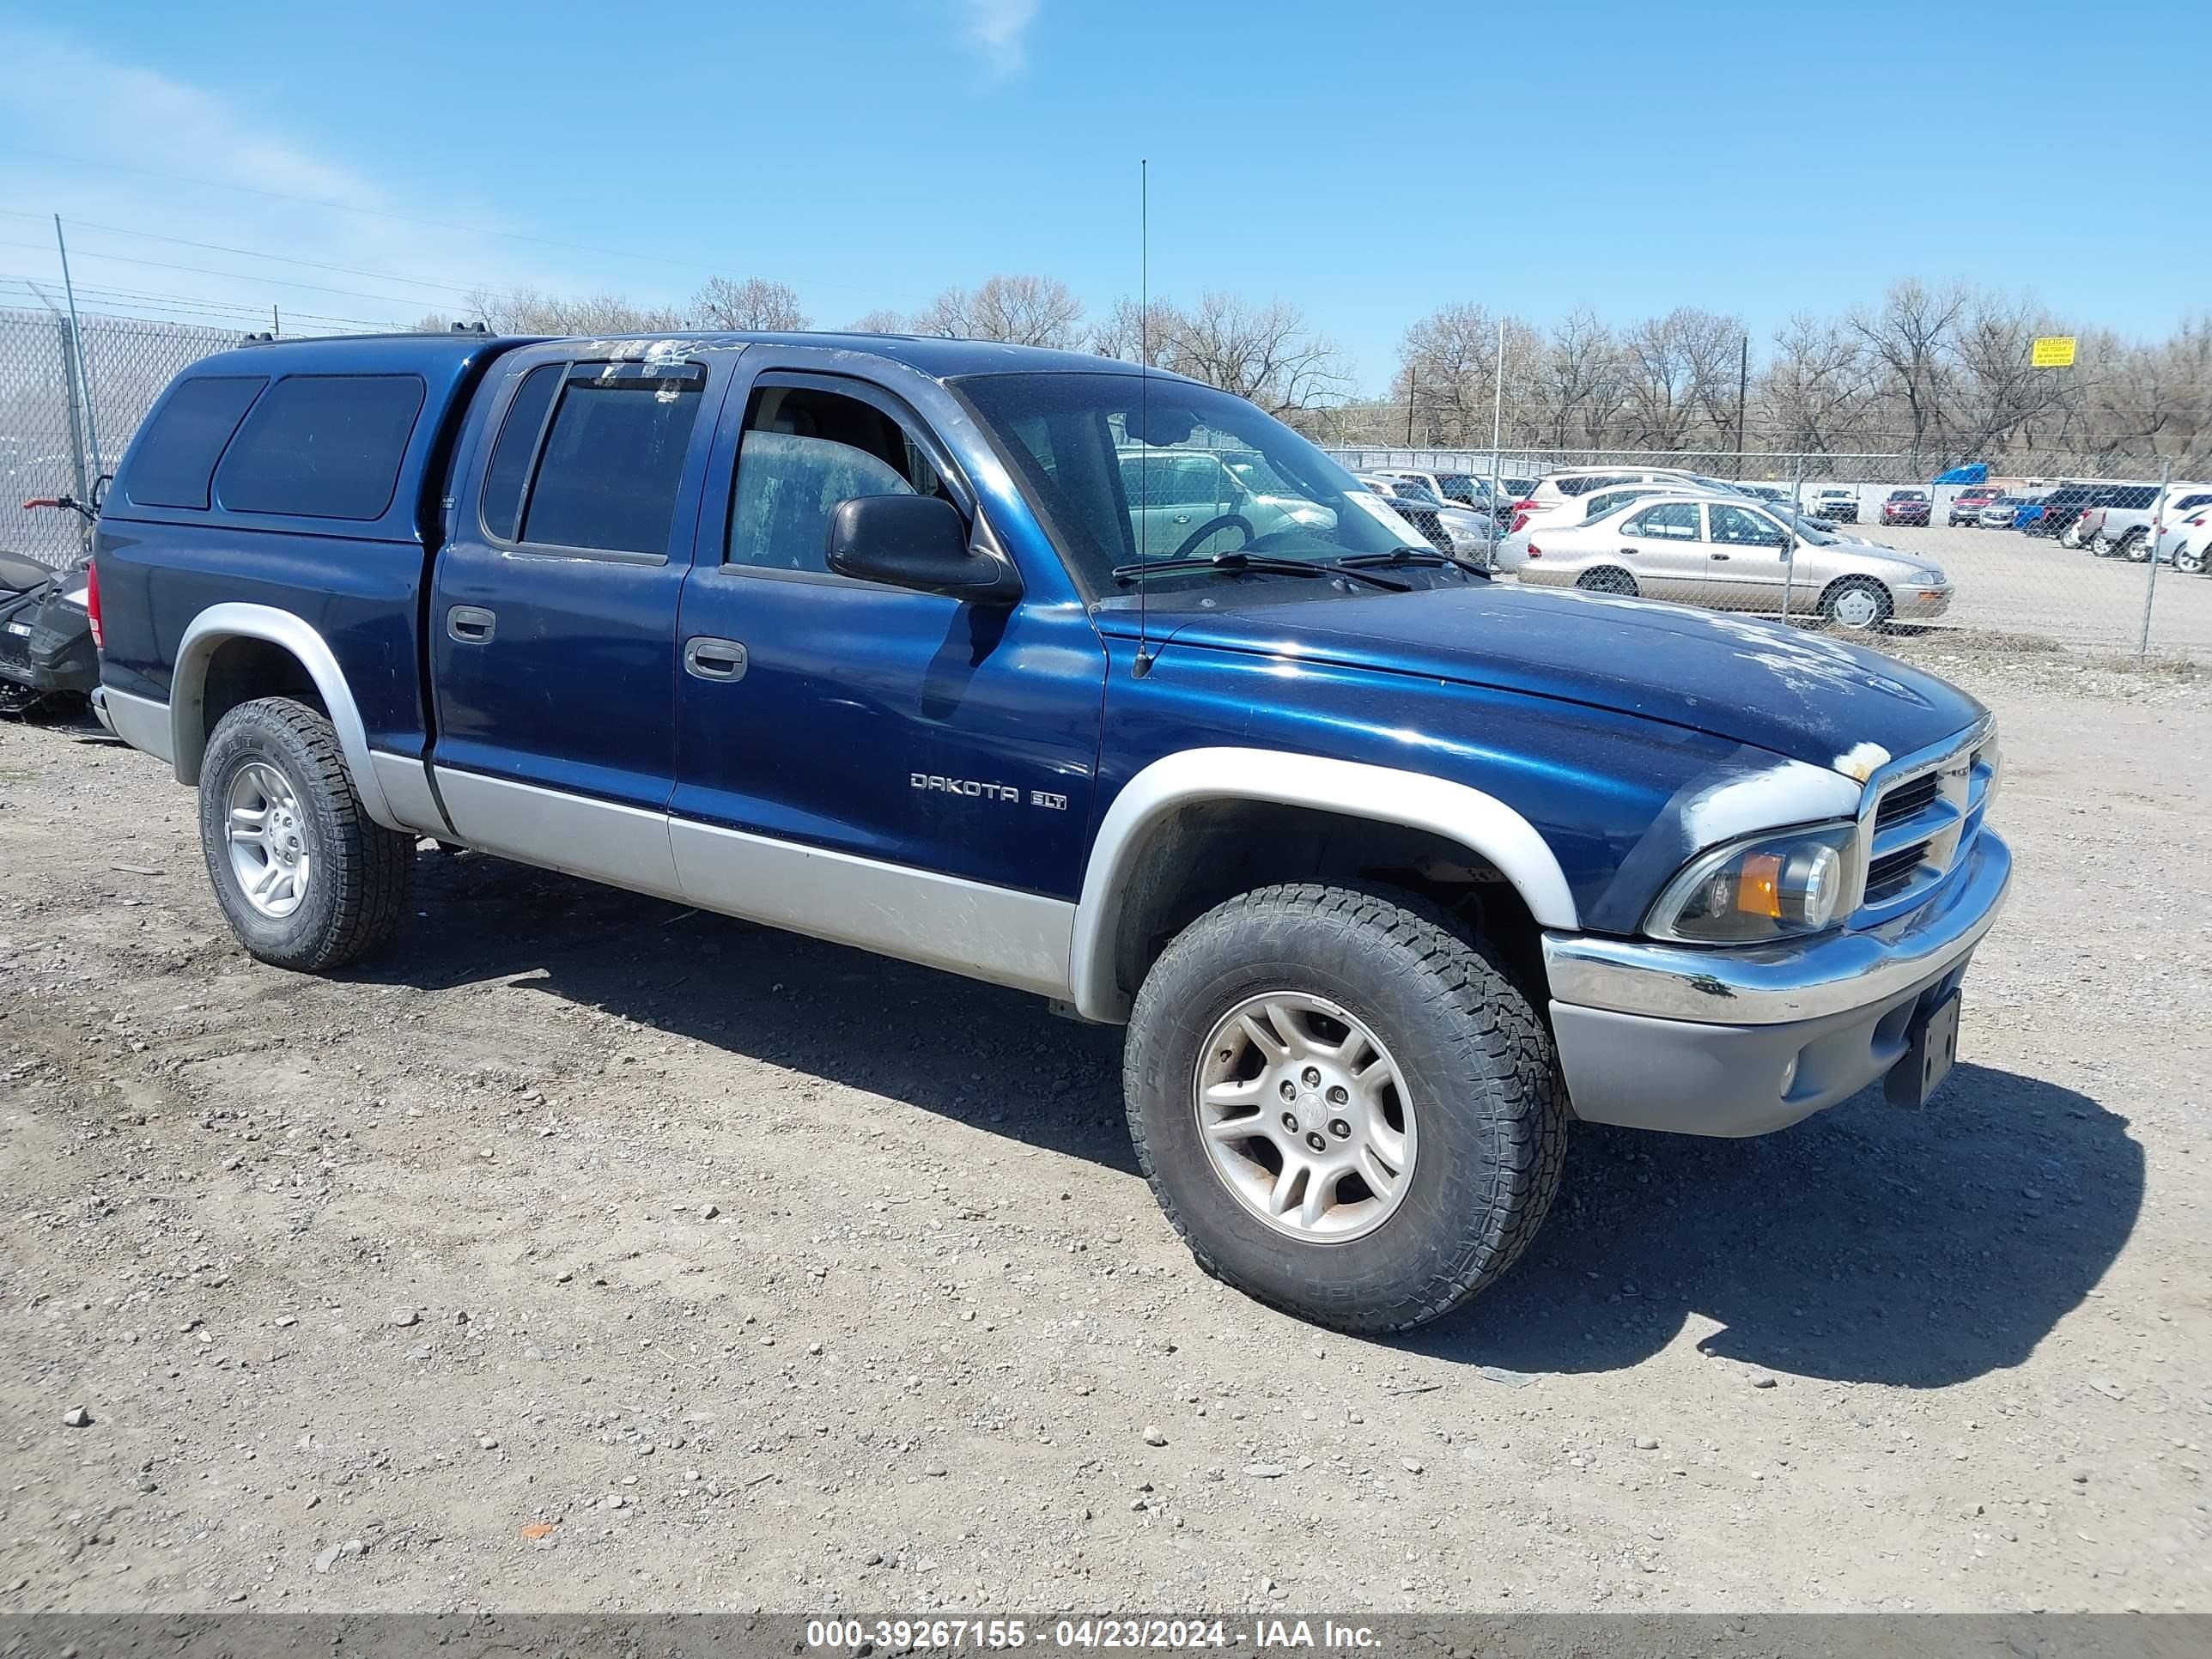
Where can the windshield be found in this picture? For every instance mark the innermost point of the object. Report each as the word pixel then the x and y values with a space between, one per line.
pixel 1125 469
pixel 1906 495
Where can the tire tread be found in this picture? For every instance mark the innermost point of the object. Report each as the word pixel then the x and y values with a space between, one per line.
pixel 1528 1132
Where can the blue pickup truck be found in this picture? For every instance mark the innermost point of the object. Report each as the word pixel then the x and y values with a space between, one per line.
pixel 1098 682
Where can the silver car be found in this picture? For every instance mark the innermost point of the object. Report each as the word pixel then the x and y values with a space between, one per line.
pixel 1731 554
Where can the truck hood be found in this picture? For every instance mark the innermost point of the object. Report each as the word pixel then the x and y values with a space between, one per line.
pixel 1804 694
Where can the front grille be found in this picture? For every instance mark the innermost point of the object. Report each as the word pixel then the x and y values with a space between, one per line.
pixel 1905 800
pixel 1919 818
pixel 1887 875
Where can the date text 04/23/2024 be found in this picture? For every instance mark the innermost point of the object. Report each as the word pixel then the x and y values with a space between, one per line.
pixel 918 1635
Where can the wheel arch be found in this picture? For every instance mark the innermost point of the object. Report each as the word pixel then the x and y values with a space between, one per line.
pixel 306 651
pixel 1129 842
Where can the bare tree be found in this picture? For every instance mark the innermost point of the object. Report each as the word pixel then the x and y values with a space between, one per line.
pixel 1911 338
pixel 1814 390
pixel 880 322
pixel 1268 353
pixel 1137 334
pixel 755 304
pixel 1680 377
pixel 527 311
pixel 1037 310
pixel 1578 385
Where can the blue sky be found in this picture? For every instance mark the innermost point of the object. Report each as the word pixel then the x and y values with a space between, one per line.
pixel 1757 160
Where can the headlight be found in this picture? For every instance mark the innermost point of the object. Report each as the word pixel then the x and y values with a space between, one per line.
pixel 1771 887
pixel 1933 576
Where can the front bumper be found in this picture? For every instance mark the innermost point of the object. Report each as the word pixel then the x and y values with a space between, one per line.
pixel 1716 1041
pixel 1908 602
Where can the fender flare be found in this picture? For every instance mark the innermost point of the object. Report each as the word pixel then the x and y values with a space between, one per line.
pixel 1482 824
pixel 235 621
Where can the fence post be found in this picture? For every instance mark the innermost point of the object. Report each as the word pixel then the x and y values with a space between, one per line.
pixel 66 337
pixel 2157 529
pixel 1790 552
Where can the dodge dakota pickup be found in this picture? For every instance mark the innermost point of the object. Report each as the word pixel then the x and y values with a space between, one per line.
pixel 1389 869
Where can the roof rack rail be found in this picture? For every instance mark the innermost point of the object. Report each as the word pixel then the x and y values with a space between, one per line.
pixel 263 339
pixel 472 328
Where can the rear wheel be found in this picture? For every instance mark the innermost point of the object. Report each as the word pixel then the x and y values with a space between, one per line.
pixel 1608 579
pixel 17 700
pixel 305 876
pixel 1343 1106
pixel 1858 603
pixel 2135 547
pixel 2190 558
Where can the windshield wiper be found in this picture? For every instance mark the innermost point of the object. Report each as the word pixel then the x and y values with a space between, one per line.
pixel 1234 563
pixel 1405 556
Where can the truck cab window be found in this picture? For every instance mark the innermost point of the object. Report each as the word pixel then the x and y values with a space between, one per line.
pixel 805 450
pixel 508 472
pixel 613 458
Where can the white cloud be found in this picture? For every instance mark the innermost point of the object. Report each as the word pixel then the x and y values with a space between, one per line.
pixel 86 135
pixel 994 29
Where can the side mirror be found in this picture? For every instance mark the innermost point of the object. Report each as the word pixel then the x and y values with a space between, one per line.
pixel 918 542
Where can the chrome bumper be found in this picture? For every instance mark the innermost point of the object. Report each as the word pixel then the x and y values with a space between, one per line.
pixel 1742 1042
pixel 1770 985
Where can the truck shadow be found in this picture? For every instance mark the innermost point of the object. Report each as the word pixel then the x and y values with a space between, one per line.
pixel 1866 1245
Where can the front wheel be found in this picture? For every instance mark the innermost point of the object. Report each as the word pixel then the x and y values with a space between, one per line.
pixel 1858 603
pixel 306 880
pixel 1343 1107
pixel 2135 547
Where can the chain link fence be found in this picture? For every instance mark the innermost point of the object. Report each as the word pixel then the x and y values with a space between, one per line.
pixel 2036 554
pixel 2049 547
pixel 70 399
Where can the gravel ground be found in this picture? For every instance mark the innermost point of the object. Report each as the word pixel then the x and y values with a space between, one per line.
pixel 571 1258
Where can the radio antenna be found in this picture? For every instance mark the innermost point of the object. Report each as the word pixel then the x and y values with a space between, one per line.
pixel 1143 665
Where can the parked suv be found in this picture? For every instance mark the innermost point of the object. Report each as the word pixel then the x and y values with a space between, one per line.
pixel 1837 506
pixel 2122 527
pixel 1389 870
pixel 1904 507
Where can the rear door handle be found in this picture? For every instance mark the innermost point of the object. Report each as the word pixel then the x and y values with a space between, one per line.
pixel 471 624
pixel 708 658
pixel 1720 555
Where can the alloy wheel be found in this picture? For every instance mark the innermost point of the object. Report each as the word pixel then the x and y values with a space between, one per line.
pixel 1305 1116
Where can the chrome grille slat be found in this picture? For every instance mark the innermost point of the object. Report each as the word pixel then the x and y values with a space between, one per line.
pixel 1919 815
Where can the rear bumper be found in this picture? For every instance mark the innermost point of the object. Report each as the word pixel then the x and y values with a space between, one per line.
pixel 1739 1042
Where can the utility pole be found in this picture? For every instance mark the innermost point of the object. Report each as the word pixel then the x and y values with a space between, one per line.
pixel 76 336
pixel 1412 379
pixel 1742 394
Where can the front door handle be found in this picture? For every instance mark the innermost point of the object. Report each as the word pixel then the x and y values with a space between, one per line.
pixel 707 659
pixel 469 624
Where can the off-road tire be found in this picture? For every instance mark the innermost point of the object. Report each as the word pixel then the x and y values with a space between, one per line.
pixel 1477 1061
pixel 361 870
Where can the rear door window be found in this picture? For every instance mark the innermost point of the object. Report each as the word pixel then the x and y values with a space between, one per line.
pixel 322 447
pixel 174 461
pixel 613 457
pixel 508 473
pixel 1674 521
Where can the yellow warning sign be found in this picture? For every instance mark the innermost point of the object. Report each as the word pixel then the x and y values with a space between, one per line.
pixel 2054 351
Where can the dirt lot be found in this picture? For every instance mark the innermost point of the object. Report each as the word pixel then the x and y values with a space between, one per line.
pixel 573 1258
